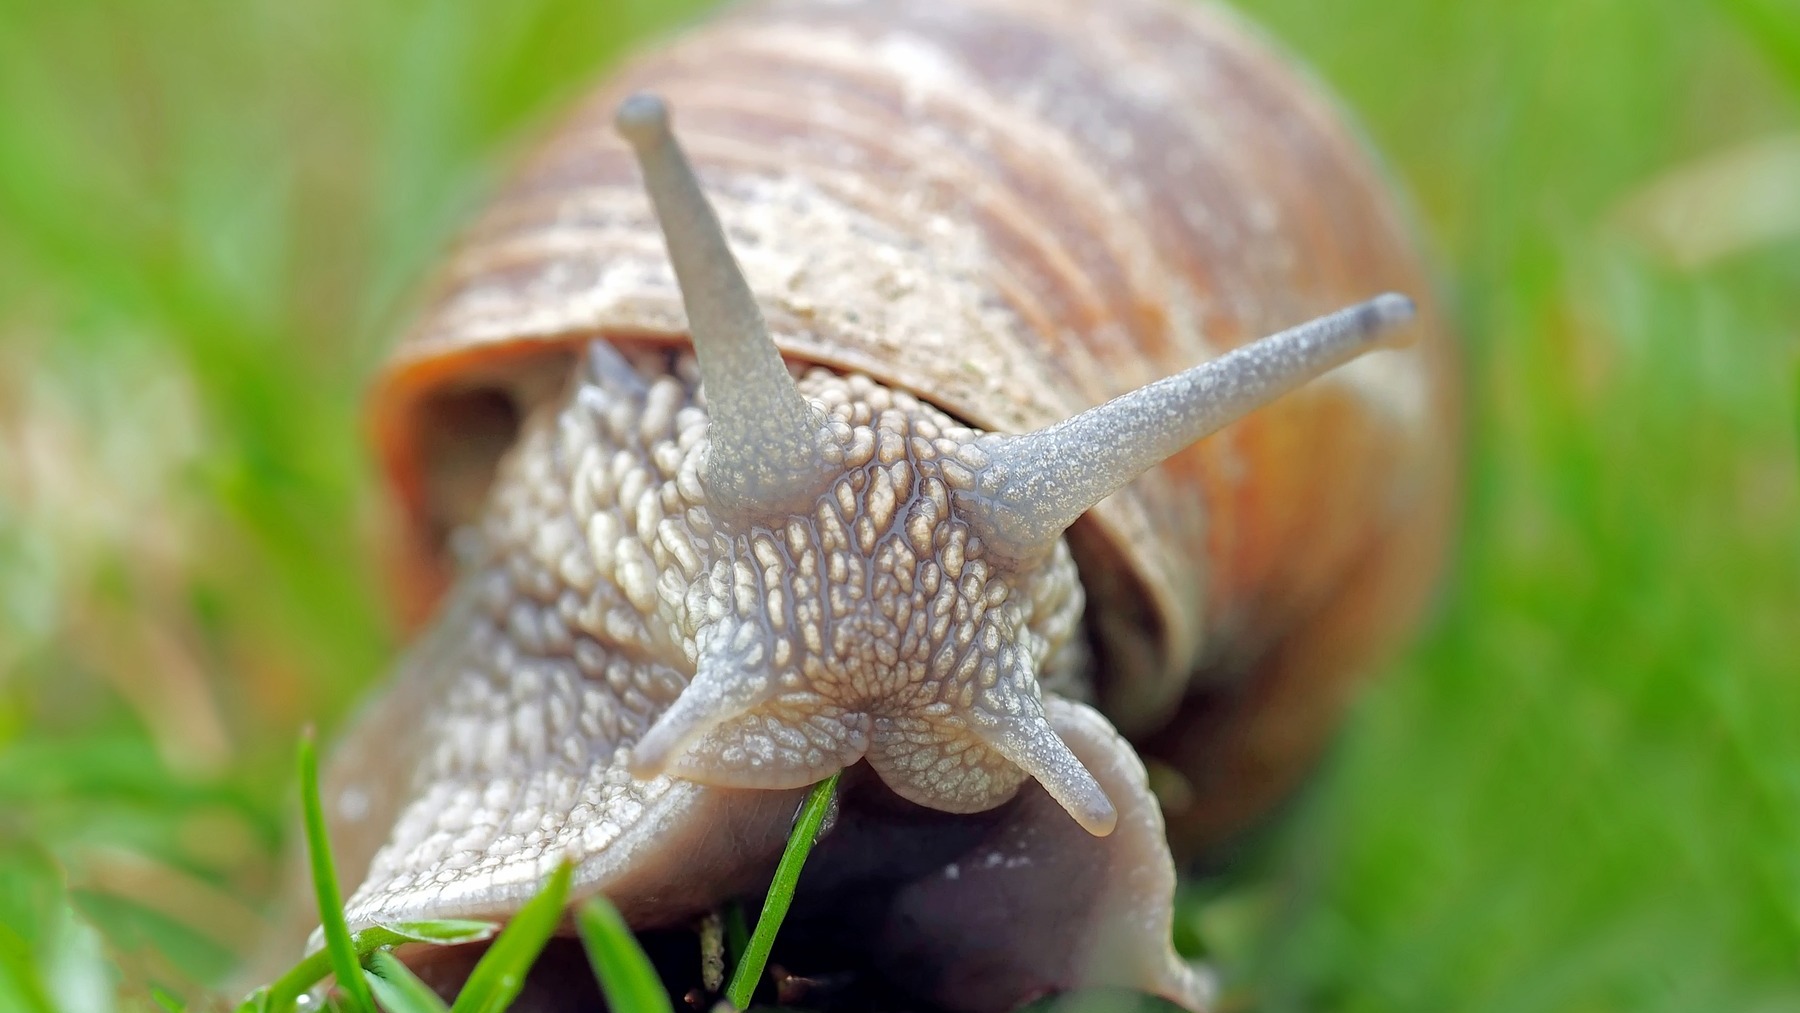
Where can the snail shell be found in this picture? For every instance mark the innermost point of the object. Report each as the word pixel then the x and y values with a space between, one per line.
pixel 968 218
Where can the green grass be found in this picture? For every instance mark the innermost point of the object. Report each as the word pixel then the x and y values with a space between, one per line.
pixel 398 989
pixel 356 970
pixel 1580 792
pixel 620 965
pixel 338 945
pixel 755 953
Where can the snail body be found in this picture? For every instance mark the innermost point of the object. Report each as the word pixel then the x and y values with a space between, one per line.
pixel 917 494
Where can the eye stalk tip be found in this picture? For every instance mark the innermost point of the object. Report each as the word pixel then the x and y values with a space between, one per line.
pixel 1393 308
pixel 643 120
pixel 1097 816
pixel 1386 316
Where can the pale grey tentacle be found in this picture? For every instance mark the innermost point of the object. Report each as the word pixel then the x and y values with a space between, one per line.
pixel 730 677
pixel 1028 739
pixel 766 439
pixel 1025 490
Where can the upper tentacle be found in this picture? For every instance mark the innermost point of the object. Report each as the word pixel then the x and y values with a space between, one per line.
pixel 767 441
pixel 1028 489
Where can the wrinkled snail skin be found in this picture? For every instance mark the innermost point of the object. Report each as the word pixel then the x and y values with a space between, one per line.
pixel 686 587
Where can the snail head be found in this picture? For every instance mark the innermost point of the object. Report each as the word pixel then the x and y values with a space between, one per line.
pixel 897 586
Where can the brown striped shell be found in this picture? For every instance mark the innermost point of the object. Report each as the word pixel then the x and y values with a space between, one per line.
pixel 1012 210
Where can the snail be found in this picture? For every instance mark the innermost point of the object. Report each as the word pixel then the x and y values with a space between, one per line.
pixel 1011 405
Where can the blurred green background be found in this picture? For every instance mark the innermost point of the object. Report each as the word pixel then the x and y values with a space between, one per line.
pixel 1580 792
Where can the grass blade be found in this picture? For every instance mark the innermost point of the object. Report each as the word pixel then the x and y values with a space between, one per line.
pixel 325 886
pixel 781 893
pixel 500 973
pixel 20 986
pixel 620 964
pixel 737 933
pixel 279 996
pixel 436 931
pixel 400 990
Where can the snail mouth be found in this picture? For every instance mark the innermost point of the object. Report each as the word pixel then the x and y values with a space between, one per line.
pixel 905 907
pixel 838 949
pixel 899 907
pixel 829 954
pixel 830 976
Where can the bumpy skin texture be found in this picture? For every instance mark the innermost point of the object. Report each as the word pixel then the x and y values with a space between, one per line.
pixel 877 631
pixel 869 627
pixel 872 629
